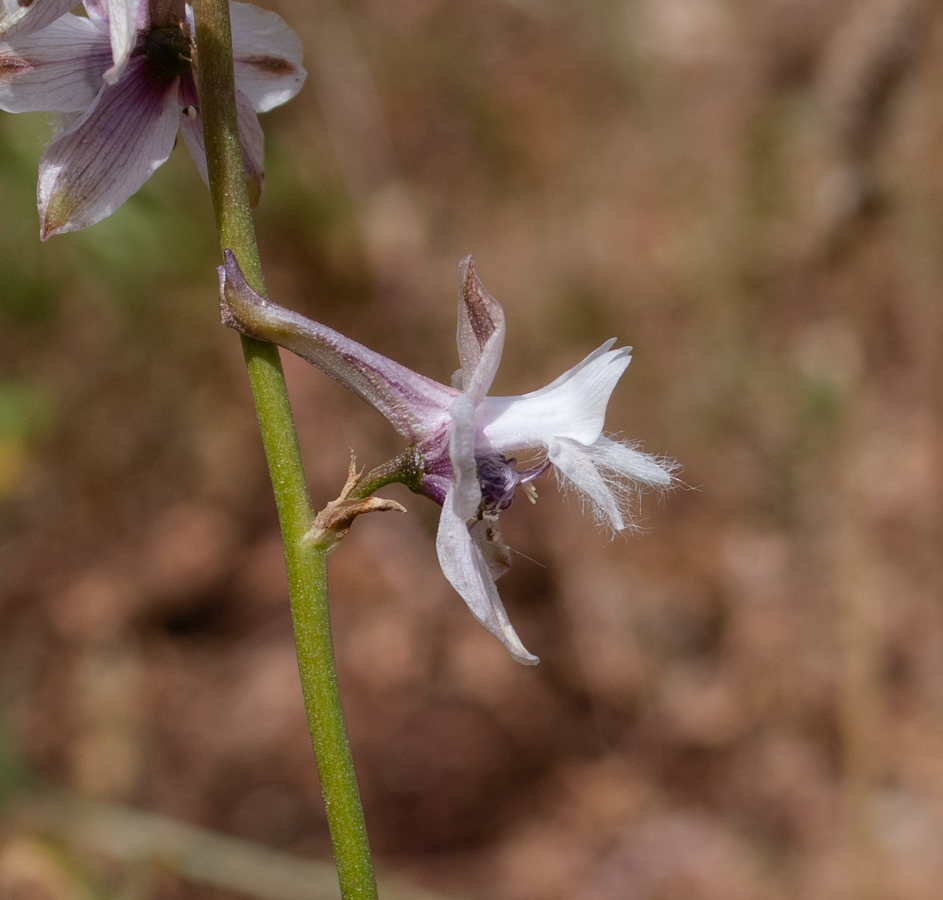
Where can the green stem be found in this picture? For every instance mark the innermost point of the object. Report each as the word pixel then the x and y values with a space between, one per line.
pixel 307 566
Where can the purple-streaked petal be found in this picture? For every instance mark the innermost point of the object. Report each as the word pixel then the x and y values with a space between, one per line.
pixel 573 406
pixel 480 332
pixel 267 56
pixel 58 69
pixel 88 172
pixel 25 18
pixel 416 406
pixel 97 11
pixel 467 490
pixel 123 18
pixel 465 568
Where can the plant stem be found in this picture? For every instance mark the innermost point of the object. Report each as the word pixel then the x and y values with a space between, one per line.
pixel 307 566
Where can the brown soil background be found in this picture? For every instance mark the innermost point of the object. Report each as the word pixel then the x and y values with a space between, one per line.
pixel 742 700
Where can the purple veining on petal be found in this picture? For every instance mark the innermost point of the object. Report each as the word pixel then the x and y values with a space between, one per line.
pixel 58 69
pixel 22 18
pixel 128 115
pixel 108 153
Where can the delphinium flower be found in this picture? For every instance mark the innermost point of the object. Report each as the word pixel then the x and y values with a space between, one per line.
pixel 122 131
pixel 466 442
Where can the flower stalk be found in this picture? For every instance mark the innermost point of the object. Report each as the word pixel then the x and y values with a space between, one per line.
pixel 407 468
pixel 306 564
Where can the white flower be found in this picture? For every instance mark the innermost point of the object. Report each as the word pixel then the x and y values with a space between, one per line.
pixel 127 128
pixel 467 441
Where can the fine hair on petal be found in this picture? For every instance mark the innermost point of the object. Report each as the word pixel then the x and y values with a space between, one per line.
pixel 609 477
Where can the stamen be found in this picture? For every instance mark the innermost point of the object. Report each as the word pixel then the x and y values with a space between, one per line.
pixel 528 475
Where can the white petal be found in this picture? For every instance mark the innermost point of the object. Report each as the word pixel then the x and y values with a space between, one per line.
pixel 107 154
pixel 465 568
pixel 582 364
pixel 467 491
pixel 267 56
pixel 58 69
pixel 609 474
pixel 625 461
pixel 575 463
pixel 573 406
pixel 25 18
pixel 480 332
pixel 490 544
pixel 123 21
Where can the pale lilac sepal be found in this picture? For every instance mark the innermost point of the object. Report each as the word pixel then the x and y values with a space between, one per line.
pixel 251 138
pixel 57 69
pixel 463 564
pixel 22 19
pixel 480 338
pixel 191 126
pixel 252 141
pixel 108 153
pixel 266 55
pixel 467 490
pixel 481 331
pixel 123 20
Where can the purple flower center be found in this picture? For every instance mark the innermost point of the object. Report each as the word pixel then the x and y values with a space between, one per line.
pixel 168 52
pixel 499 480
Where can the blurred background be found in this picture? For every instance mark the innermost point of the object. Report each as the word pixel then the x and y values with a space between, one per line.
pixel 741 700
